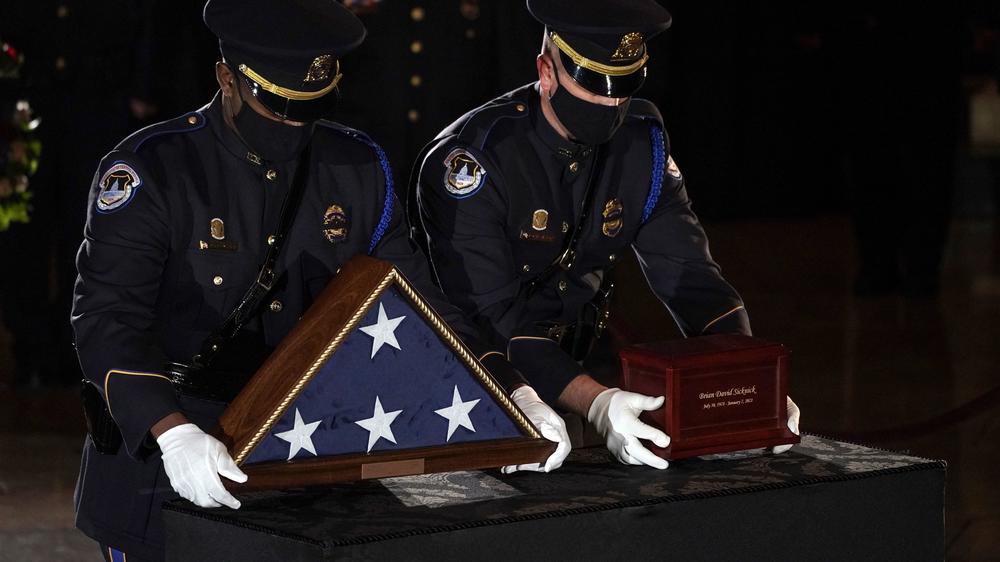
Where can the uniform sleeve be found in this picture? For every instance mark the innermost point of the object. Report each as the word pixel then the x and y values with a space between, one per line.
pixel 673 252
pixel 395 247
pixel 472 258
pixel 120 266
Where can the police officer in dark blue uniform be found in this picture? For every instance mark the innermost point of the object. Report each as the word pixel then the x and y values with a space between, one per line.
pixel 529 201
pixel 181 216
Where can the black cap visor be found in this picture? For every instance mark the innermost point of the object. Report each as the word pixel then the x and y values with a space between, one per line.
pixel 603 84
pixel 303 111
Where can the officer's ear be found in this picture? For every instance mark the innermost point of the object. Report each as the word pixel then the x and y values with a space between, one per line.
pixel 226 79
pixel 546 74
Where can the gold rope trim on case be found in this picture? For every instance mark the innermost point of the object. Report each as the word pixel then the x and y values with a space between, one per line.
pixel 467 357
pixel 316 365
pixel 595 66
pixel 286 92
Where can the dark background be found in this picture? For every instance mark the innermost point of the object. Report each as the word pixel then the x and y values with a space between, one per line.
pixel 824 145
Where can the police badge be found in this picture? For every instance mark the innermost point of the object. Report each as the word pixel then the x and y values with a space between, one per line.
pixel 117 186
pixel 463 175
pixel 612 216
pixel 335 224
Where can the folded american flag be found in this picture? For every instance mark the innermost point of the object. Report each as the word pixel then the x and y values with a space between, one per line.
pixel 392 384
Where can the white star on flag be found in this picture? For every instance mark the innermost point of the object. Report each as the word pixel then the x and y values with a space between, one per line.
pixel 300 436
pixel 384 331
pixel 379 425
pixel 458 413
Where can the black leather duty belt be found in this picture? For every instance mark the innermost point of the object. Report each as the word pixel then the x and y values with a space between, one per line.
pixel 212 384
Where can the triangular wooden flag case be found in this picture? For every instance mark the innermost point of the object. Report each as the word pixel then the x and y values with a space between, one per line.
pixel 372 383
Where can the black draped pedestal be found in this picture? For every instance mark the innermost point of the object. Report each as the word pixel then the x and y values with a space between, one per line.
pixel 823 500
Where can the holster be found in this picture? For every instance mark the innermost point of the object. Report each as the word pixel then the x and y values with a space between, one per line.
pixel 100 425
pixel 578 338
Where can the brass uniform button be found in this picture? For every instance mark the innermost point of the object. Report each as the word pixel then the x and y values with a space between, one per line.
pixel 526 268
pixel 520 107
pixel 413 115
pixel 574 166
pixel 416 47
pixel 416 80
pixel 217 280
pixel 193 120
pixel 563 285
pixel 272 174
pixel 276 306
pixel 417 14
pixel 612 257
pixel 270 240
pixel 565 226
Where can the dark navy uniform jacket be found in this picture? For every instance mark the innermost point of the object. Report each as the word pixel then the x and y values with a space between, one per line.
pixel 501 190
pixel 156 277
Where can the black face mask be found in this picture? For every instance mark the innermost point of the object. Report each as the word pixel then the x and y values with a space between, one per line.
pixel 272 140
pixel 587 123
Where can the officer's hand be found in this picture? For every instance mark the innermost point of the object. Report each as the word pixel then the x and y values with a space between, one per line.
pixel 548 422
pixel 193 461
pixel 793 424
pixel 615 414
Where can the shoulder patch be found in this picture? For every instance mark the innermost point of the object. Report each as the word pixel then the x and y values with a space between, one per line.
pixel 672 168
pixel 118 184
pixel 463 175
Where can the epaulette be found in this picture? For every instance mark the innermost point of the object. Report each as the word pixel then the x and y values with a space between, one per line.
pixel 355 134
pixel 186 123
pixel 383 161
pixel 473 128
pixel 645 109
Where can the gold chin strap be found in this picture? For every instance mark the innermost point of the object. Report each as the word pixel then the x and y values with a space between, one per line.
pixel 595 66
pixel 287 93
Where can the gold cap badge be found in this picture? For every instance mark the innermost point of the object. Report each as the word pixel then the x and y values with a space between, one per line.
pixel 319 69
pixel 630 47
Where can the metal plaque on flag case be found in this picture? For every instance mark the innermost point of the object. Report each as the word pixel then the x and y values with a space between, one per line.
pixel 372 383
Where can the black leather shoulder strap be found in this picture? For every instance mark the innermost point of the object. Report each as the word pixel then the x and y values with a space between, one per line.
pixel 249 306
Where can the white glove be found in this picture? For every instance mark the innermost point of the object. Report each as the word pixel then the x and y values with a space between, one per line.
pixel 615 414
pixel 549 424
pixel 793 424
pixel 193 461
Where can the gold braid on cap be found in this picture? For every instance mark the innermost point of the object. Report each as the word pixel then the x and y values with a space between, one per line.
pixel 287 93
pixel 595 66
